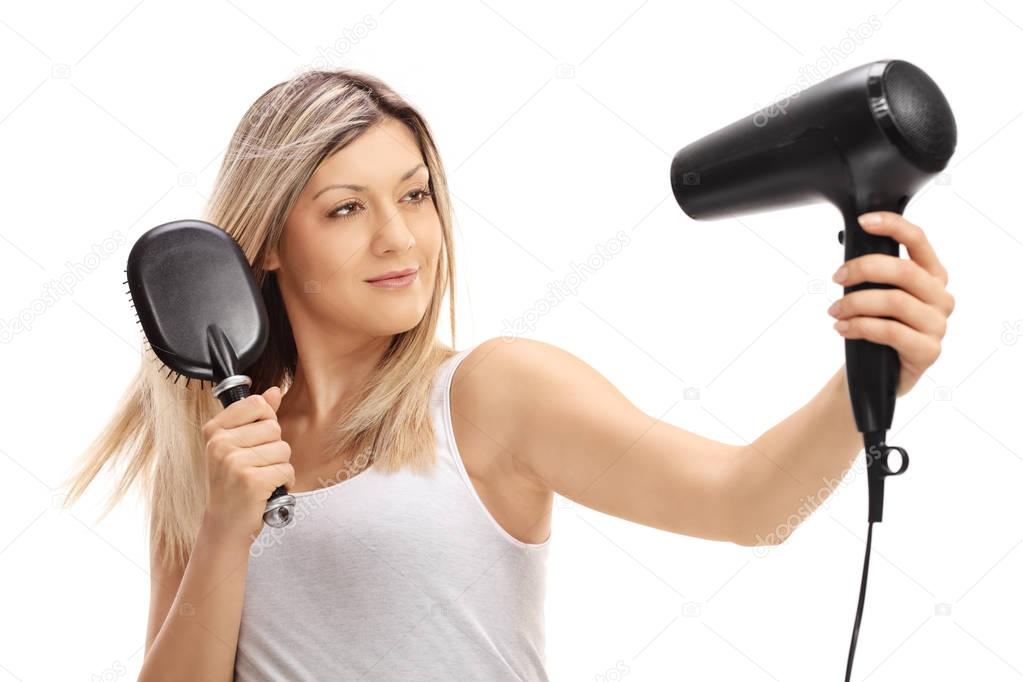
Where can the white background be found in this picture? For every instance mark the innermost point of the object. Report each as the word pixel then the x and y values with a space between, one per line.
pixel 557 123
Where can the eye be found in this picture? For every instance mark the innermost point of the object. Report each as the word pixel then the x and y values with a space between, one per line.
pixel 424 194
pixel 347 209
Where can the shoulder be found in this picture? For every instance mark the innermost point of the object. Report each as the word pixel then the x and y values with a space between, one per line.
pixel 515 392
pixel 530 376
pixel 512 368
pixel 493 396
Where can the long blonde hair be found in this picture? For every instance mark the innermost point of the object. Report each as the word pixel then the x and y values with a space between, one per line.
pixel 154 436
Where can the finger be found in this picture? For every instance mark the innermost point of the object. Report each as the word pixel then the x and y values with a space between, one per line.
pixel 911 236
pixel 256 433
pixel 894 303
pixel 900 272
pixel 245 411
pixel 278 474
pixel 263 455
pixel 273 396
pixel 916 349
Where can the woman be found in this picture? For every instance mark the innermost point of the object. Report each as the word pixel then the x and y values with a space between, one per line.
pixel 424 476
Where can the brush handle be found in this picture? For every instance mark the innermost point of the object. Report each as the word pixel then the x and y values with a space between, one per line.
pixel 280 506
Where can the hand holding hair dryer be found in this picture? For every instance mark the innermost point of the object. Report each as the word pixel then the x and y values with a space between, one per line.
pixel 864 140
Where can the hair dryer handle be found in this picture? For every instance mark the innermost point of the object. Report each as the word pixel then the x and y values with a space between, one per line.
pixel 280 506
pixel 872 369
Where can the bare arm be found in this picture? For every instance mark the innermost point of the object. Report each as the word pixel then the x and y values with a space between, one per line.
pixel 195 612
pixel 193 626
pixel 797 464
pixel 792 468
pixel 164 581
pixel 574 433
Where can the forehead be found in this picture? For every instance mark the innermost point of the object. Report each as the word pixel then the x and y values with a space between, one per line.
pixel 380 155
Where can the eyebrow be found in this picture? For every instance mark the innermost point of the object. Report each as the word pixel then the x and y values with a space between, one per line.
pixel 361 188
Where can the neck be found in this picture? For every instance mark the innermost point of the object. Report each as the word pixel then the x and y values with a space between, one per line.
pixel 329 370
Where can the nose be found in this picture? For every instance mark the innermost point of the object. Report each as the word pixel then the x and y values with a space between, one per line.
pixel 393 235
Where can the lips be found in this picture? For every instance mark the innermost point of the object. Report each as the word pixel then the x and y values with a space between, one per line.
pixel 393 274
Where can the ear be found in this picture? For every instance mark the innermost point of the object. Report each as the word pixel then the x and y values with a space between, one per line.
pixel 273 261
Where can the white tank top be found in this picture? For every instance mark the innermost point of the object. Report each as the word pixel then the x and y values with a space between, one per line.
pixel 395 577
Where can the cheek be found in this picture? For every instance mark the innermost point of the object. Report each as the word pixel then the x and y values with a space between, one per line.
pixel 331 253
pixel 430 239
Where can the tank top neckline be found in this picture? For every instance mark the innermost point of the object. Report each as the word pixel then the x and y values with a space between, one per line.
pixel 372 467
pixel 334 486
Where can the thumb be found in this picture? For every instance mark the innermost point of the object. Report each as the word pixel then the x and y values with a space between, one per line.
pixel 272 395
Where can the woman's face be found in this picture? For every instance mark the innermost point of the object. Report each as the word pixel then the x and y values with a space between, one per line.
pixel 365 211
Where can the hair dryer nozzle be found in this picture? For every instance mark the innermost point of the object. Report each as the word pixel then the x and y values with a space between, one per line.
pixel 865 139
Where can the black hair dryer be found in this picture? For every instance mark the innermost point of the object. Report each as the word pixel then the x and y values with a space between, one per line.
pixel 864 140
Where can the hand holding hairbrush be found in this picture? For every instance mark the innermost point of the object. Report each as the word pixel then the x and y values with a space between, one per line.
pixel 202 314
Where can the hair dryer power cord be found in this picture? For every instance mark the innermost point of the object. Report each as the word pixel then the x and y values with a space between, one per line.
pixel 877 470
pixel 859 605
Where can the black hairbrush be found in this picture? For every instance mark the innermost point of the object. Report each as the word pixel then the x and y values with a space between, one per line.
pixel 201 313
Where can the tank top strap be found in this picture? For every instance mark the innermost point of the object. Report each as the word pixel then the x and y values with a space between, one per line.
pixel 448 367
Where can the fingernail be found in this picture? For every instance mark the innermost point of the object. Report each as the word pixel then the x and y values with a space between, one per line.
pixel 833 309
pixel 842 273
pixel 842 325
pixel 870 219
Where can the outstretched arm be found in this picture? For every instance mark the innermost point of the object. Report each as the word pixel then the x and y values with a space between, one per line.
pixel 577 435
pixel 571 431
pixel 798 463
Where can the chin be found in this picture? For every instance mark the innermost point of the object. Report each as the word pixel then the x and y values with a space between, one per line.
pixel 389 320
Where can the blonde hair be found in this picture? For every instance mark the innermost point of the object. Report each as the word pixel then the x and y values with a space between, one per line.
pixel 155 436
